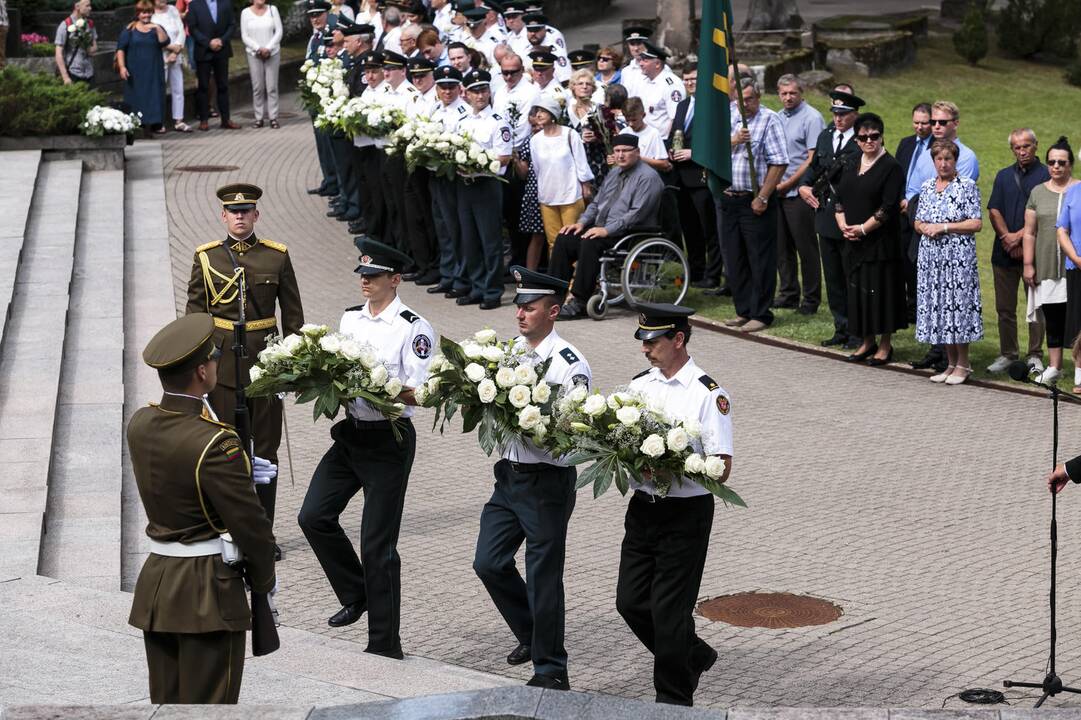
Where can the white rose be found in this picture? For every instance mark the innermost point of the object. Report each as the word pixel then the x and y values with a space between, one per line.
pixel 351 349
pixel 714 467
pixel 629 415
pixel 485 337
pixel 420 394
pixel 486 391
pixel 433 384
pixel 492 353
pixel 474 153
pixel 519 396
pixel 504 376
pixel 595 405
pixel 460 157
pixel 474 372
pixel 380 374
pixel 578 394
pixel 617 400
pixel 255 373
pixel 692 427
pixel 438 364
pixel 368 358
pixel 472 350
pixel 330 343
pixel 291 344
pixel 393 387
pixel 529 417
pixel 525 375
pixel 677 439
pixel 542 393
pixel 694 464
pixel 653 446
pixel 539 432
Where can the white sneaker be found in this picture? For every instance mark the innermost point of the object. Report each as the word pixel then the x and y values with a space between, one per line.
pixel 1035 363
pixel 1049 376
pixel 1001 364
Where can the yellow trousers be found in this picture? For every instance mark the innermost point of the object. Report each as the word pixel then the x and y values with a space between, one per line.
pixel 556 216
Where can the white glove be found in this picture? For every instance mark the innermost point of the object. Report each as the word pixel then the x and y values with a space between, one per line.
pixel 274 607
pixel 263 471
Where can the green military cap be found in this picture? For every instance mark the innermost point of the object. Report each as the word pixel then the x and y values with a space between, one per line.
pixel 239 196
pixel 656 319
pixel 183 344
pixel 393 60
pixel 474 15
pixel 376 258
pixel 532 286
pixel 581 58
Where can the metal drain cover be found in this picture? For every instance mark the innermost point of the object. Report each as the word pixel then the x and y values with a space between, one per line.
pixel 770 610
pixel 207 168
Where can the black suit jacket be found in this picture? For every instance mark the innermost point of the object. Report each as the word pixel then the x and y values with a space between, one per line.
pixel 904 152
pixel 204 28
pixel 687 173
pixel 821 164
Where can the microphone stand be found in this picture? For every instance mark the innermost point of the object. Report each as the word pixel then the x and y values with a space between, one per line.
pixel 1052 683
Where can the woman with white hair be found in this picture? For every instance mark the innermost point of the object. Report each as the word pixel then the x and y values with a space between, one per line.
pixel 559 161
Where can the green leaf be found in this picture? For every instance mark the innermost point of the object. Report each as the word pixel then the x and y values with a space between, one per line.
pixel 486 434
pixel 307 395
pixel 471 416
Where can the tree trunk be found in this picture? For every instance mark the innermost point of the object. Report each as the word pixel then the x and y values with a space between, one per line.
pixel 773 15
pixel 674 27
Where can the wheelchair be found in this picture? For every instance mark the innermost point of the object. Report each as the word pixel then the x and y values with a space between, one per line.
pixel 643 266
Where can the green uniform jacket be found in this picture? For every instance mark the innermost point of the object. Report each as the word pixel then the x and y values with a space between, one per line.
pixel 195 483
pixel 270 279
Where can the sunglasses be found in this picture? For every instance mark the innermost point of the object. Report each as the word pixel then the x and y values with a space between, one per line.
pixel 1058 163
pixel 942 122
pixel 869 137
pixel 604 58
pixel 510 73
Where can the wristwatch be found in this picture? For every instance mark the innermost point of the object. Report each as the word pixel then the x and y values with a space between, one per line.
pixel 763 200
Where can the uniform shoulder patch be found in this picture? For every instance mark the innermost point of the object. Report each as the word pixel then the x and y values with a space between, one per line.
pixel 568 355
pixel 409 316
pixel 642 374
pixel 206 246
pixel 280 247
pixel 355 308
pixel 422 346
pixel 230 447
pixel 724 405
pixel 709 382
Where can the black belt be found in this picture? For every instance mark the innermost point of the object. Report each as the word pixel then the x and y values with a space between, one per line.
pixel 375 424
pixel 649 497
pixel 738 193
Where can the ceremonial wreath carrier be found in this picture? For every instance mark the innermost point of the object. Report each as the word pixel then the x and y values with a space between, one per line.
pixel 195 482
pixel 532 501
pixel 369 454
pixel 242 278
pixel 664 547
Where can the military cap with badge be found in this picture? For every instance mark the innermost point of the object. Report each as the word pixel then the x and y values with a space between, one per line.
pixel 845 102
pixel 447 75
pixel 393 60
pixel 420 65
pixel 531 286
pixel 239 196
pixel 372 59
pixel 377 258
pixel 637 33
pixel 477 79
pixel 535 21
pixel 474 15
pixel 649 50
pixel 358 29
pixel 317 7
pixel 658 319
pixel 581 58
pixel 542 59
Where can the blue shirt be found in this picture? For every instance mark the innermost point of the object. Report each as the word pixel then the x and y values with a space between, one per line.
pixel 802 126
pixel 923 168
pixel 1009 195
pixel 1070 217
pixel 213 6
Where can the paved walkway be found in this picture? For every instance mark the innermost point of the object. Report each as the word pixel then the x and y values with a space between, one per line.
pixel 915 507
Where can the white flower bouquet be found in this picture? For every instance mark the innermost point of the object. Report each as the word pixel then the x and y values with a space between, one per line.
pixel 370 115
pixel 81 34
pixel 626 438
pixel 475 161
pixel 319 82
pixel 327 367
pixel 499 390
pixel 101 120
pixel 434 147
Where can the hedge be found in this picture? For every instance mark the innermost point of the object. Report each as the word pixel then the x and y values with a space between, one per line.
pixel 40 104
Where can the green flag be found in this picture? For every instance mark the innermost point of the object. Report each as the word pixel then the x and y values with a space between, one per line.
pixel 712 145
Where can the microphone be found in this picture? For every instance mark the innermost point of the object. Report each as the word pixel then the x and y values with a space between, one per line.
pixel 1021 370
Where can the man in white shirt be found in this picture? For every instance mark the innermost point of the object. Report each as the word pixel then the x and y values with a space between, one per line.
pixel 533 500
pixel 477 37
pixel 443 20
pixel 419 225
pixel 659 89
pixel 373 207
pixel 449 111
pixel 544 75
pixel 513 100
pixel 634 37
pixel 369 455
pixel 398 92
pixel 536 26
pixel 517 37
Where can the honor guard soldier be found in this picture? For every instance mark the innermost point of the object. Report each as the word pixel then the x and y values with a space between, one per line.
pixel 419 224
pixel 552 36
pixel 323 23
pixel 367 456
pixel 420 71
pixel 477 36
pixel 357 41
pixel 517 37
pixel 664 548
pixel 583 60
pixel 533 500
pixel 195 482
pixel 659 88
pixel 264 267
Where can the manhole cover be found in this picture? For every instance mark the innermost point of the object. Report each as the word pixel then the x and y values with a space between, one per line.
pixel 207 168
pixel 770 610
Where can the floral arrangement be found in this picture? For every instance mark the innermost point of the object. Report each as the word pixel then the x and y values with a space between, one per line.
pixel 626 437
pixel 37 45
pixel 327 367
pixel 319 82
pixel 101 120
pixel 370 115
pixel 81 34
pixel 29 39
pixel 474 161
pixel 500 392
pixel 604 125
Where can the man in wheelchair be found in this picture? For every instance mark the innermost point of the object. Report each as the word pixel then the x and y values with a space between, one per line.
pixel 630 197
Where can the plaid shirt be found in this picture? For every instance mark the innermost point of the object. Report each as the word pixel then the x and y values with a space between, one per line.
pixel 768 144
pixel 3 13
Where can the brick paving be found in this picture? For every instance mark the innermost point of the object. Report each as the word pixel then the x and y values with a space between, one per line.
pixel 917 508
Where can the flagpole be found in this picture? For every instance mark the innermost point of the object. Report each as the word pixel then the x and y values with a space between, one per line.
pixel 730 37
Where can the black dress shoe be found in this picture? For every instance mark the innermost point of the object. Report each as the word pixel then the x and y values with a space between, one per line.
pixel 349 217
pixel 784 305
pixel 358 227
pixel 705 283
pixel 467 300
pixel 428 278
pixel 929 360
pixel 438 289
pixel 453 293
pixel 490 304
pixel 879 362
pixel 335 213
pixel 860 357
pixel 837 339
pixel 392 654
pixel 707 662
pixel 549 682
pixel 278 554
pixel 722 291
pixel 316 190
pixel 572 310
pixel 519 655
pixel 348 615
pixel 326 192
pixel 409 276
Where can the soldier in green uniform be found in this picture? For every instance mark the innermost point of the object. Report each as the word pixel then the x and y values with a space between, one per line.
pixel 215 288
pixel 195 481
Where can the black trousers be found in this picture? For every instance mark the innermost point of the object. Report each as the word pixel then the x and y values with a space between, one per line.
pixel 394 182
pixel 797 253
pixel 660 571
pixel 364 457
pixel 533 505
pixel 219 65
pixel 750 256
pixel 419 224
pixel 699 222
pixel 374 206
pixel 448 230
pixel 833 268
pixel 341 151
pixel 513 192
pixel 326 161
pixel 571 249
pixel 194 668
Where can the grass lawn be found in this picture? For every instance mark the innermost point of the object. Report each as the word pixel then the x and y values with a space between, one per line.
pixel 997 96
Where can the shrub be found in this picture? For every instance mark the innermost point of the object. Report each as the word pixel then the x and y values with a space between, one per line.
pixel 970 41
pixel 39 104
pixel 45 49
pixel 1031 27
pixel 1073 73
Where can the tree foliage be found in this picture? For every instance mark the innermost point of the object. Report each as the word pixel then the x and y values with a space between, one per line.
pixel 1027 28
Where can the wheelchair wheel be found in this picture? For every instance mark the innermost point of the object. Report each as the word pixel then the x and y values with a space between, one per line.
pixel 596 307
pixel 655 270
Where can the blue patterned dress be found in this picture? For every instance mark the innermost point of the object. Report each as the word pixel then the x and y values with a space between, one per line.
pixel 947 279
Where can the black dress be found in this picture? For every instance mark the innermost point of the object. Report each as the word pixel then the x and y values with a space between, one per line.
pixel 876 274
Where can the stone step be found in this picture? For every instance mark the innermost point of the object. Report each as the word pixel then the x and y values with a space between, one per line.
pixel 30 361
pixel 149 304
pixel 16 192
pixel 82 518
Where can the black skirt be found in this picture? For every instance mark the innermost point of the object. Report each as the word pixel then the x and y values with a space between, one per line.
pixel 876 298
pixel 1073 307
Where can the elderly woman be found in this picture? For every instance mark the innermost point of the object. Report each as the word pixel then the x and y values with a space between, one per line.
pixel 1044 267
pixel 170 21
pixel 559 161
pixel 609 66
pixel 1069 242
pixel 868 213
pixel 947 278
pixel 142 68
pixel 585 116
pixel 261 31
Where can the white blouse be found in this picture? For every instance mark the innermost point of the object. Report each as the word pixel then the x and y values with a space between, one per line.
pixel 560 165
pixel 172 25
pixel 261 31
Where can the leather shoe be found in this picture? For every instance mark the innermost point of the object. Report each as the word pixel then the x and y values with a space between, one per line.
pixel 467 300
pixel 326 192
pixel 358 227
pixel 930 360
pixel 549 682
pixel 879 362
pixel 438 289
pixel 722 291
pixel 571 310
pixel 519 655
pixel 490 304
pixel 204 126
pixel 348 615
pixel 455 293
pixel 229 125
pixel 278 554
pixel 752 326
pixel 429 278
pixel 392 654
pixel 316 190
pixel 837 339
pixel 779 305
pixel 705 283
pixel 737 321
pixel 860 357
pixel 335 213
pixel 409 276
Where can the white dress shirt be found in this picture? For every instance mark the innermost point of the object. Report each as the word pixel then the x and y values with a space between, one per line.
pixel 490 131
pixel 521 96
pixel 660 97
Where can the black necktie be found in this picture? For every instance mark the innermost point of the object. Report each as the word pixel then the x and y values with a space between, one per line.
pixel 840 140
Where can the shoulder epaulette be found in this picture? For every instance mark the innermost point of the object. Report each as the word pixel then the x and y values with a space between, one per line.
pixel 207 246
pixel 355 308
pixel 497 116
pixel 669 80
pixel 218 423
pixel 642 374
pixel 568 355
pixel 409 316
pixel 710 384
pixel 280 247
